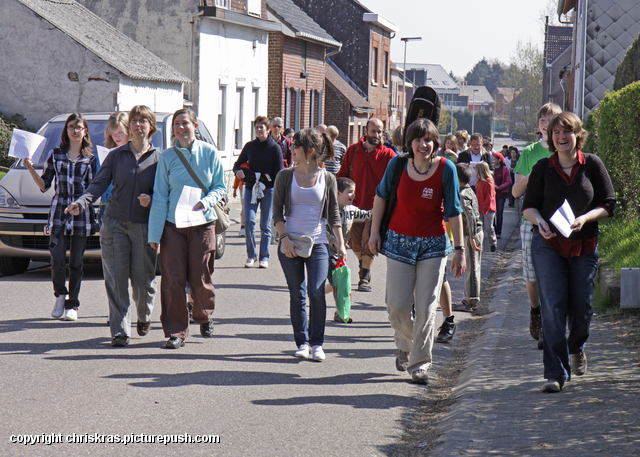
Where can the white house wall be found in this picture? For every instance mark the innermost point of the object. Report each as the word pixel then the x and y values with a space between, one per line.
pixel 159 96
pixel 38 68
pixel 235 57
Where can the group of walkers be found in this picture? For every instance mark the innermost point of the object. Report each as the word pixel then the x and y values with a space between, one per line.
pixel 415 208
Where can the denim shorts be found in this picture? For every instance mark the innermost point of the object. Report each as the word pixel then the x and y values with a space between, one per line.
pixel 528 272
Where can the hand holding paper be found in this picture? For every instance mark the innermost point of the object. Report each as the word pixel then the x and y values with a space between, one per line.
pixel 563 218
pixel 26 145
pixel 186 215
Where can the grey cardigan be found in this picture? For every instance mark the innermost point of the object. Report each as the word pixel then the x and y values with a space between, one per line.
pixel 282 197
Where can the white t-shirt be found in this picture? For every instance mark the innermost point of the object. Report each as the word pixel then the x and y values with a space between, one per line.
pixel 474 160
pixel 306 210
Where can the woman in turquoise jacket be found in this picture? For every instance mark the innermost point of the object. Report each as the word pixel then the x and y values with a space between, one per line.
pixel 188 252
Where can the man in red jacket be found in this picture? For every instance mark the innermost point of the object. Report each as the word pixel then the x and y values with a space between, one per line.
pixel 365 163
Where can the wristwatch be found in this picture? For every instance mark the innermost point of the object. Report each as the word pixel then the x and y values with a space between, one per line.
pixel 459 248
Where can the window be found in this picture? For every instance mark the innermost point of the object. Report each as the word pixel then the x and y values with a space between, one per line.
pixel 312 103
pixel 253 7
pixel 222 3
pixel 374 66
pixel 385 76
pixel 287 108
pixel 296 110
pixel 319 116
pixel 239 117
pixel 222 115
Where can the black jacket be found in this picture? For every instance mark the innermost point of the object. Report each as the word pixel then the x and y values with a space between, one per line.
pixel 465 157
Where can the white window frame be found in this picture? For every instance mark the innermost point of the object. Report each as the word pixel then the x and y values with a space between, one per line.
pixel 223 4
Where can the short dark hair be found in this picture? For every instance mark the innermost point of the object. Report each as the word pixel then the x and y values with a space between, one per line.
pixel 567 121
pixel 475 136
pixel 262 120
pixel 464 173
pixel 344 184
pixel 146 113
pixel 420 128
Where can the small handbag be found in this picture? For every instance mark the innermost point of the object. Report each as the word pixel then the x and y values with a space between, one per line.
pixel 304 242
pixel 223 221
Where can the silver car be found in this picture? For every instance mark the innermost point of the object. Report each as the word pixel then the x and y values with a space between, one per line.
pixel 24 210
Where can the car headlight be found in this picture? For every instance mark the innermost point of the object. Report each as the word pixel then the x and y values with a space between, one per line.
pixel 7 200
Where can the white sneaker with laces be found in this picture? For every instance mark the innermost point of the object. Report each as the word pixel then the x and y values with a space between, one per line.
pixel 249 263
pixel 58 307
pixel 303 351
pixel 264 264
pixel 71 314
pixel 318 354
pixel 241 232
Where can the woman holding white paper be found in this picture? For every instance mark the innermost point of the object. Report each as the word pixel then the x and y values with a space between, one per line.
pixel 566 266
pixel 126 254
pixel 188 251
pixel 73 166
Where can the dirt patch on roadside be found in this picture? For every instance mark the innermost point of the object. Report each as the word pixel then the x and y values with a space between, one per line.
pixel 422 429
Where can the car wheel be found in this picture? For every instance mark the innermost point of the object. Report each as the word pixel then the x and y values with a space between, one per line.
pixel 14 265
pixel 221 243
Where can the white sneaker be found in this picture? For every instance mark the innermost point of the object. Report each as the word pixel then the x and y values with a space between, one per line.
pixel 70 314
pixel 303 351
pixel 318 354
pixel 241 232
pixel 58 307
pixel 264 264
pixel 249 263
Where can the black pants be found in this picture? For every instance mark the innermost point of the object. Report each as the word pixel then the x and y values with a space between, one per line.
pixel 77 245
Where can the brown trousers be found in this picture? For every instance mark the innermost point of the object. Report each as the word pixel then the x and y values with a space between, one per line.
pixel 187 256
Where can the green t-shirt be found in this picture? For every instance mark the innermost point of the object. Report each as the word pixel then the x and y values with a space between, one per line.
pixel 530 156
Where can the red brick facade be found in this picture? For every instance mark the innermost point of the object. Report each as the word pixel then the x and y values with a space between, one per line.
pixel 285 72
pixel 380 81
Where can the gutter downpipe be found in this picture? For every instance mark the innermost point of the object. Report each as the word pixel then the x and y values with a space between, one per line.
pixel 193 16
pixel 582 18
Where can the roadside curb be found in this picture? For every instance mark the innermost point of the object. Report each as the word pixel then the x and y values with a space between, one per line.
pixel 458 423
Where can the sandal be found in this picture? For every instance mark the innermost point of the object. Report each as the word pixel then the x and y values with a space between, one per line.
pixel 464 306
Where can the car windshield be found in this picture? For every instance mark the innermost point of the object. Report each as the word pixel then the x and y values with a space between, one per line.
pixel 53 130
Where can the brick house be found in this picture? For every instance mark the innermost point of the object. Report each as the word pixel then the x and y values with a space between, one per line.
pixel 346 108
pixel 297 54
pixel 366 39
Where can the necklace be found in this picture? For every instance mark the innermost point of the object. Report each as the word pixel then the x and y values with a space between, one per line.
pixel 413 164
pixel 139 154
pixel 569 167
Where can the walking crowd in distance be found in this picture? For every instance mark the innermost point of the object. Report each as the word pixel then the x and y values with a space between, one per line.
pixel 420 202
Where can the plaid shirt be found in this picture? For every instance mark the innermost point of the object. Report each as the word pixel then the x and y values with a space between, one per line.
pixel 72 179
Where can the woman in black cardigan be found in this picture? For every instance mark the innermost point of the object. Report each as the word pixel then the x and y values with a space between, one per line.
pixel 566 266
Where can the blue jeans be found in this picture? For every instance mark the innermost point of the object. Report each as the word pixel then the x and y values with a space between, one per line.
pixel 566 288
pixel 250 211
pixel 317 266
pixel 497 222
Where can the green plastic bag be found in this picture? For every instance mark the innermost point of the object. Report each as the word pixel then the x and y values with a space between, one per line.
pixel 342 286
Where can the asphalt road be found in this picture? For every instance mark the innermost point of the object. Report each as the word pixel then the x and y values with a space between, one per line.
pixel 243 386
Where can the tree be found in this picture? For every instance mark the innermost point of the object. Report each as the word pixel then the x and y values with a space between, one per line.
pixel 525 75
pixel 481 121
pixel 484 73
pixel 444 124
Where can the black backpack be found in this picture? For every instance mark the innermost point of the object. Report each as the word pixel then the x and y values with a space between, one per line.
pixel 424 103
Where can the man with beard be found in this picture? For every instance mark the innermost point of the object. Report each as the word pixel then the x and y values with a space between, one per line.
pixel 474 154
pixel 365 163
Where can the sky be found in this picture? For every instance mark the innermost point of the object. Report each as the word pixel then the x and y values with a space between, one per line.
pixel 458 33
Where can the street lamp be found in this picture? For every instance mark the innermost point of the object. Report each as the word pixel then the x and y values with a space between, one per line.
pixel 404 73
pixel 473 113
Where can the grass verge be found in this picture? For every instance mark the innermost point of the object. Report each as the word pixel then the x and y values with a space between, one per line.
pixel 619 243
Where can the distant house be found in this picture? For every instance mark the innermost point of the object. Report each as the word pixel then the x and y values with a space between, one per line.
pixel 477 98
pixel 221 45
pixel 366 40
pixel 603 32
pixel 503 97
pixel 59 57
pixel 436 76
pixel 557 63
pixel 297 66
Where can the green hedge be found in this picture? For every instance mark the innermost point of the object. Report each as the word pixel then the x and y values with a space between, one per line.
pixel 7 124
pixel 629 69
pixel 614 130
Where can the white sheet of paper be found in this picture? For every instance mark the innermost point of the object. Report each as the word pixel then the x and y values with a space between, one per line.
pixel 26 144
pixel 102 153
pixel 563 218
pixel 185 215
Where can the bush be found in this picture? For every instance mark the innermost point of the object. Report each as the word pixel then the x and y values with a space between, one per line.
pixel 482 121
pixel 618 243
pixel 615 136
pixel 7 124
pixel 629 69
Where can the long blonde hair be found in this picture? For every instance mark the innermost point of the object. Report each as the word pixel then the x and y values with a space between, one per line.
pixel 483 172
pixel 120 119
